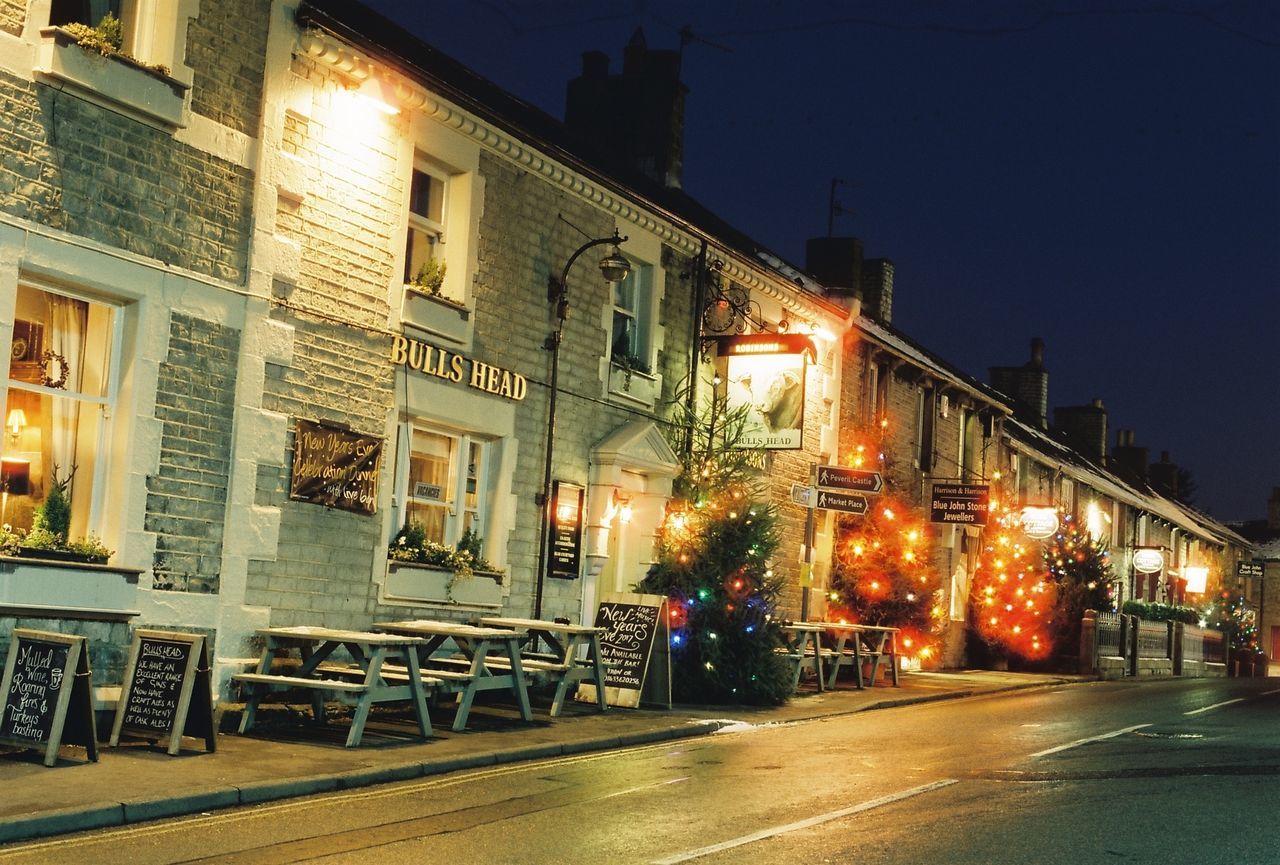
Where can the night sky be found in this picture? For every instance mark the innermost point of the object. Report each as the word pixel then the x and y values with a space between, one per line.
pixel 1103 175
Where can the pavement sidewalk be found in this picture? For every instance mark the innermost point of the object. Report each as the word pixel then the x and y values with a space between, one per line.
pixel 285 756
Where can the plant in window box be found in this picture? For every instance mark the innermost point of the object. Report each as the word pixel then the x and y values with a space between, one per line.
pixel 410 545
pixel 431 276
pixel 629 363
pixel 48 538
pixel 108 40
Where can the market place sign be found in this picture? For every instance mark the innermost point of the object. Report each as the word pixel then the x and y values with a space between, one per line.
pixel 457 368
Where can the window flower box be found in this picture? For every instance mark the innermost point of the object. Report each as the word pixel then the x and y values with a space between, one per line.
pixel 436 314
pixel 632 384
pixel 431 584
pixel 114 81
pixel 43 583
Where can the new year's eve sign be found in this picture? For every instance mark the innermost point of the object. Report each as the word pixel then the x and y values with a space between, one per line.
pixel 45 700
pixel 335 467
pixel 633 648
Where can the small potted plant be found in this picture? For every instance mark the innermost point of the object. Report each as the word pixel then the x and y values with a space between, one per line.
pixel 456 565
pixel 431 276
pixel 50 528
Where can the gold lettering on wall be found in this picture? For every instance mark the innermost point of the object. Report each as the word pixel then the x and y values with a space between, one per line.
pixel 442 363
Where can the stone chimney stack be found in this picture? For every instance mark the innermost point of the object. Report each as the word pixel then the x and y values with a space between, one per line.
pixel 1086 427
pixel 1128 456
pixel 1164 476
pixel 637 115
pixel 1027 385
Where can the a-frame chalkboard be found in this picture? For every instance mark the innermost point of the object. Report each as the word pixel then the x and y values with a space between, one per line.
pixel 634 649
pixel 167 692
pixel 46 696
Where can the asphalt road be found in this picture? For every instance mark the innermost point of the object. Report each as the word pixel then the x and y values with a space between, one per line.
pixel 1172 771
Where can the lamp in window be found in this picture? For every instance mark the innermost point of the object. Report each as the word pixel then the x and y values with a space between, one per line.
pixel 15 424
pixel 614 267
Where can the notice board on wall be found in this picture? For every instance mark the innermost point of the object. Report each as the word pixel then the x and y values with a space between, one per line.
pixel 634 650
pixel 167 692
pixel 335 467
pixel 45 696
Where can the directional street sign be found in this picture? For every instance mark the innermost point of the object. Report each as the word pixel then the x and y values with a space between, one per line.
pixel 849 503
pixel 802 495
pixel 841 478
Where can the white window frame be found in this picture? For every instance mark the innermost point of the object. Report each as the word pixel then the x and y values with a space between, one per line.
pixel 641 277
pixel 454 506
pixel 425 224
pixel 155 31
pixel 105 403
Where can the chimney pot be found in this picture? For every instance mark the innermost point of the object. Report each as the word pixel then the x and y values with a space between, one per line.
pixel 595 64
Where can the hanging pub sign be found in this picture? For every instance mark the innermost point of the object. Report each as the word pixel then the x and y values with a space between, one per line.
pixel 764 374
pixel 959 503
pixel 1148 560
pixel 566 530
pixel 335 467
pixel 1039 522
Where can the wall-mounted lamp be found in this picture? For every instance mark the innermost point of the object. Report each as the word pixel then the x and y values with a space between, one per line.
pixel 380 94
pixel 614 267
pixel 15 423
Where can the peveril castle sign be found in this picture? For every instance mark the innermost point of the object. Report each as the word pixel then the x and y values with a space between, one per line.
pixel 457 368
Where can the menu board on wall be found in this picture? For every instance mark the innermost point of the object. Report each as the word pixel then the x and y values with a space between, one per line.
pixel 166 690
pixel 45 698
pixel 634 636
pixel 335 467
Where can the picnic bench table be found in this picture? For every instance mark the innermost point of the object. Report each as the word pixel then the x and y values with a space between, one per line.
pixel 803 647
pixel 360 684
pixel 857 643
pixel 490 661
pixel 561 663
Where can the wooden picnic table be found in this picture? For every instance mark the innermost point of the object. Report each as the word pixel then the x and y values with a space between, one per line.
pixel 360 684
pixel 858 643
pixel 803 647
pixel 491 661
pixel 562 663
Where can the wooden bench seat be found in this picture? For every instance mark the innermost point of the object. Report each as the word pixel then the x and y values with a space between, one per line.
pixel 300 682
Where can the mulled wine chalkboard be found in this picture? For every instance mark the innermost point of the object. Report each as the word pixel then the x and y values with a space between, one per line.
pixel 45 695
pixel 166 691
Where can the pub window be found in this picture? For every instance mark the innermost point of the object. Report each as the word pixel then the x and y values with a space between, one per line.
pixel 63 371
pixel 444 482
pixel 424 238
pixel 630 338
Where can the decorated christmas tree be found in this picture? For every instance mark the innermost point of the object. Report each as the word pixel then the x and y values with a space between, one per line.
pixel 881 570
pixel 1231 615
pixel 1030 594
pixel 713 564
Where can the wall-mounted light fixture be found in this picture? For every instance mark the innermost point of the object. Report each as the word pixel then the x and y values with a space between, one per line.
pixel 15 424
pixel 614 267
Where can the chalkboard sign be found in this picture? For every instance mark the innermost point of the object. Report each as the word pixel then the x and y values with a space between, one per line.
pixel 630 640
pixel 166 691
pixel 45 695
pixel 335 467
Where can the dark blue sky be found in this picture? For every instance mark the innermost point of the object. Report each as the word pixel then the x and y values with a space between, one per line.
pixel 1105 176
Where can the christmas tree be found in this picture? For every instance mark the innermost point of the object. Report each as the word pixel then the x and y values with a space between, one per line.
pixel 713 564
pixel 1029 595
pixel 1231 615
pixel 881 572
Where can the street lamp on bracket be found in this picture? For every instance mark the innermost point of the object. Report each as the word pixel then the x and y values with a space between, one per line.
pixel 614 267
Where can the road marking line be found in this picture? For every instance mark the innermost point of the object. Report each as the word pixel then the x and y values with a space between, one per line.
pixel 1215 706
pixel 805 824
pixel 1269 693
pixel 1078 742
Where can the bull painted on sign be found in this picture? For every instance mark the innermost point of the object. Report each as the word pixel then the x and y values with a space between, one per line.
pixel 780 404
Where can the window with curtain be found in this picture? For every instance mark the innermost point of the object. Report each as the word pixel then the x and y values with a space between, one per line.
pixel 445 482
pixel 629 340
pixel 61 391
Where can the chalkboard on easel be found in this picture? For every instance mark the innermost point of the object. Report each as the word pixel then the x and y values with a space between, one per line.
pixel 634 649
pixel 46 698
pixel 166 693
